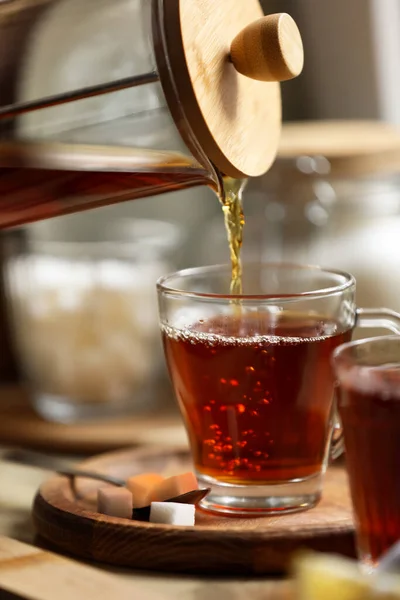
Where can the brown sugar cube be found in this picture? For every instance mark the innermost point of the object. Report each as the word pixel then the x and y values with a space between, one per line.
pixel 172 487
pixel 140 487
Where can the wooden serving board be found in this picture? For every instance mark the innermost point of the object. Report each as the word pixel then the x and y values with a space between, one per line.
pixel 64 515
pixel 21 426
pixel 34 574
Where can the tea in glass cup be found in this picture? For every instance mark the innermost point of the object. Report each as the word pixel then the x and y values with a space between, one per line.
pixel 369 403
pixel 254 381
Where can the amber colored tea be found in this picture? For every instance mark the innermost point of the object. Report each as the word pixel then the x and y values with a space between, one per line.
pixel 28 194
pixel 256 392
pixel 371 419
pixel 231 200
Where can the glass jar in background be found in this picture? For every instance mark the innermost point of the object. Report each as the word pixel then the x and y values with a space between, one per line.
pixel 84 316
pixel 333 199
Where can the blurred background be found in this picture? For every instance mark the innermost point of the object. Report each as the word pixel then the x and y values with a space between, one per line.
pixel 316 205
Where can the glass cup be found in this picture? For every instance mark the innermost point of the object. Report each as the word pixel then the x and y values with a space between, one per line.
pixel 253 378
pixel 368 372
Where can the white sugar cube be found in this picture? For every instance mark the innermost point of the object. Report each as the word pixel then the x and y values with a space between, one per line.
pixel 172 513
pixel 115 502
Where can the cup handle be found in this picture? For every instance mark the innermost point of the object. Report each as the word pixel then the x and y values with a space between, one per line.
pixel 378 317
pixel 384 318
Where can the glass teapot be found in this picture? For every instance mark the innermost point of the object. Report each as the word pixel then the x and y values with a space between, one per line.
pixel 109 100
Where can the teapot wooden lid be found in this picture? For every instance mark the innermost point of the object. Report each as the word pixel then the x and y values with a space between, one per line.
pixel 351 147
pixel 221 61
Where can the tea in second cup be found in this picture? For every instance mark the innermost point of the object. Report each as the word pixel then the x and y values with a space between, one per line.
pixel 369 403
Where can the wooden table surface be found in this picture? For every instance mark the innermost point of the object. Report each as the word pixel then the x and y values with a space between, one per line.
pixel 18 484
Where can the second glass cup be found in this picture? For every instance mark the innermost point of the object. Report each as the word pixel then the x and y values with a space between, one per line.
pixel 368 372
pixel 253 378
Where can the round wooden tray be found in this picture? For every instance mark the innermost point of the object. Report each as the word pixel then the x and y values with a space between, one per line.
pixel 21 426
pixel 65 516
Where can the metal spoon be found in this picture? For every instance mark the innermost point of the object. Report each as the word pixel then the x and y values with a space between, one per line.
pixel 70 472
pixel 44 461
pixel 390 561
pixel 143 513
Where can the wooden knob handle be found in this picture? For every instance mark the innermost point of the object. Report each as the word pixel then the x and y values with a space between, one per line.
pixel 269 49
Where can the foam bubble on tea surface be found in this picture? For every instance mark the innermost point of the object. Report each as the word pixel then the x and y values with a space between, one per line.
pixel 172 513
pixel 141 487
pixel 115 502
pixel 173 486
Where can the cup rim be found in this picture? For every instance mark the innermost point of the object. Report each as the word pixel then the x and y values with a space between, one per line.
pixel 341 353
pixel 164 288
